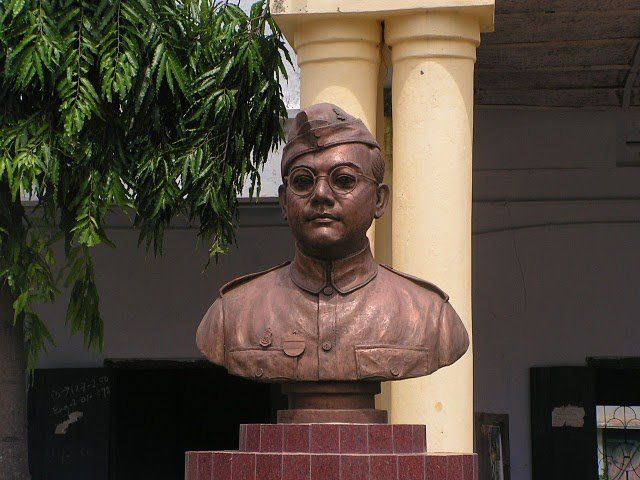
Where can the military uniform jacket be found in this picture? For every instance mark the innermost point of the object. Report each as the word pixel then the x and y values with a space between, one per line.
pixel 350 319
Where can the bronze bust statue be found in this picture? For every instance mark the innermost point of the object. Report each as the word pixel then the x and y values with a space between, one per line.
pixel 332 314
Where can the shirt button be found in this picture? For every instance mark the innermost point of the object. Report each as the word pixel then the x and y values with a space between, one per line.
pixel 259 372
pixel 326 346
pixel 327 290
pixel 395 372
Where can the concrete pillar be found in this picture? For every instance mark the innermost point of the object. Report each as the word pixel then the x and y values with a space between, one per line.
pixel 383 225
pixel 433 56
pixel 433 51
pixel 339 61
pixel 383 252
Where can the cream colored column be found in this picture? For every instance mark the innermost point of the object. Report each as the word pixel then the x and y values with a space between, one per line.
pixel 383 250
pixel 339 61
pixel 383 225
pixel 433 56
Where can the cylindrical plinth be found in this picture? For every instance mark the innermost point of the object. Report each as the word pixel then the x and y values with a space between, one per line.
pixel 332 402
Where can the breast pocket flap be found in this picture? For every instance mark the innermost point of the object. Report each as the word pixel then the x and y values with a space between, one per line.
pixel 261 364
pixel 391 363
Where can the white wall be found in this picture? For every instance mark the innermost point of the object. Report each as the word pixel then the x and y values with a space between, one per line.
pixel 152 306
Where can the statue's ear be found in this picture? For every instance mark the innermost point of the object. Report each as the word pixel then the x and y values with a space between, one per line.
pixel 282 199
pixel 382 199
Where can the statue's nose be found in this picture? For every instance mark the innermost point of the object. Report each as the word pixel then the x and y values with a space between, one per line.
pixel 322 191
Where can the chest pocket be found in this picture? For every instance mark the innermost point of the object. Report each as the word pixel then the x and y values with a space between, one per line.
pixel 262 365
pixel 391 363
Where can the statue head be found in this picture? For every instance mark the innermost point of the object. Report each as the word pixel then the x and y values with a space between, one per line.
pixel 332 171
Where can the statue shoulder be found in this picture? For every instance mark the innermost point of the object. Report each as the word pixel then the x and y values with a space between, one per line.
pixel 236 282
pixel 418 281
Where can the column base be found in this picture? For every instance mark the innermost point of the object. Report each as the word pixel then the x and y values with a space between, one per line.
pixel 330 452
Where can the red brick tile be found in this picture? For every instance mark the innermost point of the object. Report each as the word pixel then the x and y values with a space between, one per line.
pixel 402 438
pixel 411 467
pixel 353 439
pixel 296 467
pixel 269 466
pixel 296 438
pixel 380 439
pixel 467 467
pixel 437 467
pixel 252 444
pixel 243 466
pixel 383 467
pixel 191 466
pixel 324 438
pixel 325 467
pixel 204 465
pixel 419 438
pixel 454 467
pixel 476 468
pixel 221 466
pixel 270 438
pixel 242 443
pixel 354 467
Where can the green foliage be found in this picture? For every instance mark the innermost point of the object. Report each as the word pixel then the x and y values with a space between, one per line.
pixel 160 108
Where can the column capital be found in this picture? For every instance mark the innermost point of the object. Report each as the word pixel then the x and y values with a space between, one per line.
pixel 290 14
pixel 440 33
pixel 337 39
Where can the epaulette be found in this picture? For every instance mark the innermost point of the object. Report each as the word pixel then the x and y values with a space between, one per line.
pixel 245 278
pixel 418 281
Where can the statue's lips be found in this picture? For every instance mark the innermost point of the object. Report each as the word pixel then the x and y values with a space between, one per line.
pixel 323 218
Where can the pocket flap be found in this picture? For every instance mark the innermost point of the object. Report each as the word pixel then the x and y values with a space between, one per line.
pixel 391 363
pixel 261 364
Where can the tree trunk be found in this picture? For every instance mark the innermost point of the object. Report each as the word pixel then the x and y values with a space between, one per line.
pixel 14 463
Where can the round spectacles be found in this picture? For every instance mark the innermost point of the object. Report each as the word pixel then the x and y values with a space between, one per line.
pixel 342 180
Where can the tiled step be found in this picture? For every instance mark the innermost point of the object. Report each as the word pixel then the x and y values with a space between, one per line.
pixel 230 465
pixel 333 438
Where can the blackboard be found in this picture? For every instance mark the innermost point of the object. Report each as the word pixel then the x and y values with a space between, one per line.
pixel 69 424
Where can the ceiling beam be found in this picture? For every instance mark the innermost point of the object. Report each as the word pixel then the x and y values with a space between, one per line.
pixel 557 54
pixel 557 78
pixel 511 6
pixel 568 97
pixel 563 26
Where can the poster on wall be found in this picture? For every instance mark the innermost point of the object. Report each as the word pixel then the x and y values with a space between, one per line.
pixel 492 445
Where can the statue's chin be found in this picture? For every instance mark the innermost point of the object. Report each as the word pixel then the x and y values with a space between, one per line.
pixel 329 247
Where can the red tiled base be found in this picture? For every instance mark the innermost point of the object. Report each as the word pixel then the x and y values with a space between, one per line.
pixel 333 438
pixel 330 452
pixel 230 465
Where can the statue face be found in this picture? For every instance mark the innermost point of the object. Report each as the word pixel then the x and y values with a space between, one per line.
pixel 327 222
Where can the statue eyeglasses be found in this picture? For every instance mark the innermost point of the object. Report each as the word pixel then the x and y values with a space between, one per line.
pixel 342 180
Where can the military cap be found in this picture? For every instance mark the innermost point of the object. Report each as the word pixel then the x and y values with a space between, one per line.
pixel 321 126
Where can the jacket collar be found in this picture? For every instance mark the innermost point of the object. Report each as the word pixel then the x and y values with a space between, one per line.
pixel 345 275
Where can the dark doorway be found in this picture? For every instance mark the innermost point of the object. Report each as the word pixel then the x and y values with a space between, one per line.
pixel 160 409
pixel 585 421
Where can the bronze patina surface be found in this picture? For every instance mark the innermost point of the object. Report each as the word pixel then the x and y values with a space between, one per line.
pixel 332 314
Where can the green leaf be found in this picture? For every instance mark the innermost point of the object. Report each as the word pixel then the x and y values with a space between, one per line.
pixel 84 130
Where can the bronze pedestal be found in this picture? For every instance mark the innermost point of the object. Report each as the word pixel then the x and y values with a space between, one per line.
pixel 332 402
